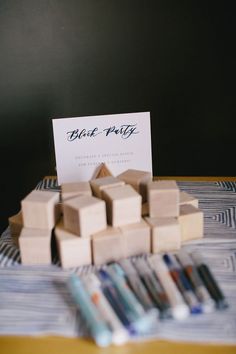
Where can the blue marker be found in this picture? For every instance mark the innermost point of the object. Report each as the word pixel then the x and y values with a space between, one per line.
pixel 183 284
pixel 113 297
pixel 98 328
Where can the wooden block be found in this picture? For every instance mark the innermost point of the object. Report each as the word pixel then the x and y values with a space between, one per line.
pixel 84 215
pixel 100 184
pixel 40 209
pixel 138 180
pixel 102 171
pixel 35 246
pixel 73 251
pixel 163 199
pixel 71 190
pixel 107 246
pixel 165 234
pixel 137 239
pixel 185 198
pixel 123 205
pixel 16 225
pixel 191 222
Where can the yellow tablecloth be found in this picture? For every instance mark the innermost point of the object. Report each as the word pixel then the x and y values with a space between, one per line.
pixel 51 345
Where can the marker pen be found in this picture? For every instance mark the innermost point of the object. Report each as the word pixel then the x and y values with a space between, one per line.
pixel 197 283
pixel 137 285
pixel 179 308
pixel 153 286
pixel 114 299
pixel 98 329
pixel 93 286
pixel 141 320
pixel 183 284
pixel 209 281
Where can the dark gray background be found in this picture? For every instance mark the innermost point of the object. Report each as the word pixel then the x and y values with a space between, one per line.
pixel 62 58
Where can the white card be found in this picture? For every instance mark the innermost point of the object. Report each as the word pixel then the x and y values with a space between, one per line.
pixel 121 141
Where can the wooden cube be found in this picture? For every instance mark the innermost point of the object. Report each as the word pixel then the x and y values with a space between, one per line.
pixel 84 215
pixel 191 222
pixel 71 190
pixel 100 184
pixel 40 209
pixel 163 199
pixel 186 198
pixel 138 180
pixel 123 205
pixel 16 225
pixel 74 251
pixel 137 239
pixel 165 234
pixel 35 246
pixel 108 245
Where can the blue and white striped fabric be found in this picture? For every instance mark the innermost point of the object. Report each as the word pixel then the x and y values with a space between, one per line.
pixel 48 184
pixel 35 300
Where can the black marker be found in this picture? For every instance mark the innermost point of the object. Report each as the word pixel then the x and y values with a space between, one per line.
pixel 210 282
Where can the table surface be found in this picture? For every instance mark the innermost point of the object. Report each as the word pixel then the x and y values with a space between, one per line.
pixel 58 345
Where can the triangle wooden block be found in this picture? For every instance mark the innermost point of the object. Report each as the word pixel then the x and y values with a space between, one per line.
pixel 102 171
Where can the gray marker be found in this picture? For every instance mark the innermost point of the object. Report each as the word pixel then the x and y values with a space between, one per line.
pixel 137 285
pixel 154 287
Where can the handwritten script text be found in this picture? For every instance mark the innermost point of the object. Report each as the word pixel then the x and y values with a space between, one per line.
pixel 125 131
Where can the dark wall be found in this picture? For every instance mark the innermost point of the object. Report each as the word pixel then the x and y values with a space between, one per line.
pixel 62 58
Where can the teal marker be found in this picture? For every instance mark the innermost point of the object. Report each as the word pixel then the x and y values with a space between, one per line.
pixel 98 328
pixel 142 321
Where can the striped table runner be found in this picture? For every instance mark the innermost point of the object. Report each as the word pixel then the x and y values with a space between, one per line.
pixel 35 300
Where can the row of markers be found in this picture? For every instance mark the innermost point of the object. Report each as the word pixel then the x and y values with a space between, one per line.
pixel 127 298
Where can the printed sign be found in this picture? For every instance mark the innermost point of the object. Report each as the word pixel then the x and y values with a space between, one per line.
pixel 121 141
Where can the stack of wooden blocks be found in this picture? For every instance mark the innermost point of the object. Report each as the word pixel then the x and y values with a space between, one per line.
pixel 108 218
pixel 40 212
